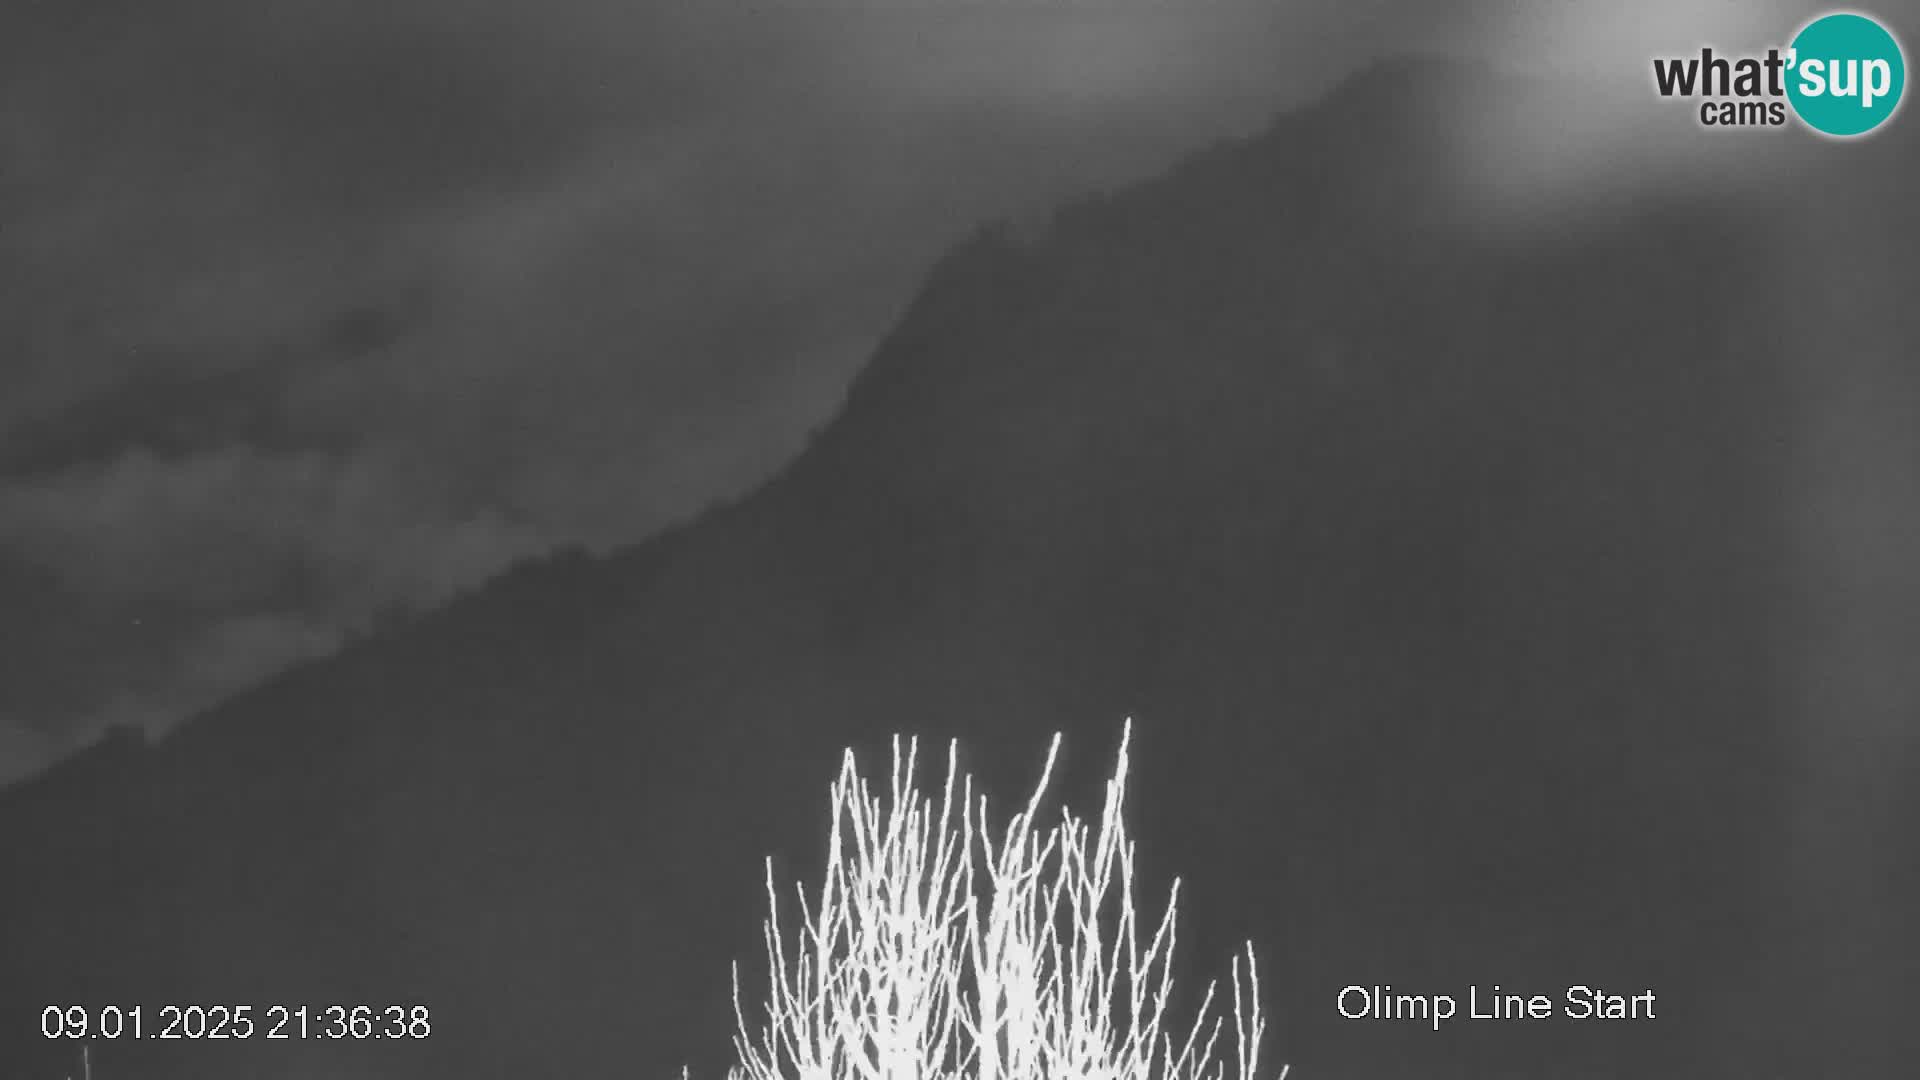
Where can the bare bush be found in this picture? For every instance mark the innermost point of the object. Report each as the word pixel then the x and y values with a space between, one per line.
pixel 931 950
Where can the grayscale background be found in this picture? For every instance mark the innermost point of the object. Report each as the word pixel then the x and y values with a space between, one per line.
pixel 468 468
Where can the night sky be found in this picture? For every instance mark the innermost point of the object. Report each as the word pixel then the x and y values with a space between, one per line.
pixel 312 313
pixel 315 315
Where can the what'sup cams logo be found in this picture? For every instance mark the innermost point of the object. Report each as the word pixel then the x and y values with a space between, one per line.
pixel 1843 74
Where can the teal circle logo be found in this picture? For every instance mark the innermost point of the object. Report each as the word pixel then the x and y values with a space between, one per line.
pixel 1847 74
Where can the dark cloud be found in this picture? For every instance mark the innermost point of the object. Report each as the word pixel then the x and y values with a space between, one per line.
pixel 311 308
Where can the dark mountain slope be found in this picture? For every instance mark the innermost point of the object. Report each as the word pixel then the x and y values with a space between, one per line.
pixel 1445 567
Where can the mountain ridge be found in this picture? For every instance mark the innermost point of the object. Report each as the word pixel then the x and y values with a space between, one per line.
pixel 1437 674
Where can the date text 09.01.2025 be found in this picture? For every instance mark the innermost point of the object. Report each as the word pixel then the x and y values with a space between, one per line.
pixel 236 1022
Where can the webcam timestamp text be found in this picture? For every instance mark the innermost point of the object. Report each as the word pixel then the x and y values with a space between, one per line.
pixel 217 1022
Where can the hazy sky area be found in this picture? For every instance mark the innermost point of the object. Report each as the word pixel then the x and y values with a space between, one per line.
pixel 312 309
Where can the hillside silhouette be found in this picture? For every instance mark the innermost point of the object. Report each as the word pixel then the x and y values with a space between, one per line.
pixel 1443 566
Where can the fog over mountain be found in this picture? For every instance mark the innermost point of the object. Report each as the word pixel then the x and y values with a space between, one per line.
pixel 1506 570
pixel 312 313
